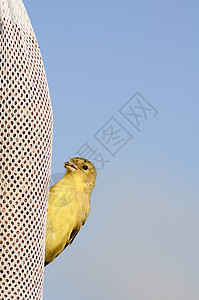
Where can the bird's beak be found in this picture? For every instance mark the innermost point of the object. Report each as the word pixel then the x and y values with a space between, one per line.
pixel 70 166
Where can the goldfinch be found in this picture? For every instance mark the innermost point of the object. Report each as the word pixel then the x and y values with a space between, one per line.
pixel 68 206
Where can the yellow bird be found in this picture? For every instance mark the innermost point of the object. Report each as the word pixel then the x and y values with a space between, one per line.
pixel 68 206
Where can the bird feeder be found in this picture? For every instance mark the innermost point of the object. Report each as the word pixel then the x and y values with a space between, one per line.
pixel 25 155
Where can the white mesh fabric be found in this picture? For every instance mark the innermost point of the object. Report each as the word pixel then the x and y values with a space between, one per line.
pixel 25 155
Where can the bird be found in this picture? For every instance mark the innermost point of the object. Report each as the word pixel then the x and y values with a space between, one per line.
pixel 68 206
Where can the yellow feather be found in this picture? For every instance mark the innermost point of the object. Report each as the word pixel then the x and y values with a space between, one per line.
pixel 68 206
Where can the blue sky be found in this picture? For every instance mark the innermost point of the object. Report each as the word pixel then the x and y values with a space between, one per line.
pixel 141 240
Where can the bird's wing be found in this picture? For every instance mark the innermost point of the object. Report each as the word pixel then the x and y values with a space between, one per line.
pixel 69 242
pixel 72 236
pixel 74 233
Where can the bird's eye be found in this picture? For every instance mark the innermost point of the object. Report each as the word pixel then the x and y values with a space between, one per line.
pixel 85 167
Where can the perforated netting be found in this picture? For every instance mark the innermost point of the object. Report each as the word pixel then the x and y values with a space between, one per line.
pixel 25 155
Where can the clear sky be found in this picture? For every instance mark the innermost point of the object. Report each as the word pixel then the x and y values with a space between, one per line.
pixel 141 239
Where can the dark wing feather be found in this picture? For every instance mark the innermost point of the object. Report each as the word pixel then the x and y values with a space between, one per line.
pixel 72 236
pixel 71 239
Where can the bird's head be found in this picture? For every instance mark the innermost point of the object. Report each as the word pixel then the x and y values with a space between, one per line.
pixel 83 168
